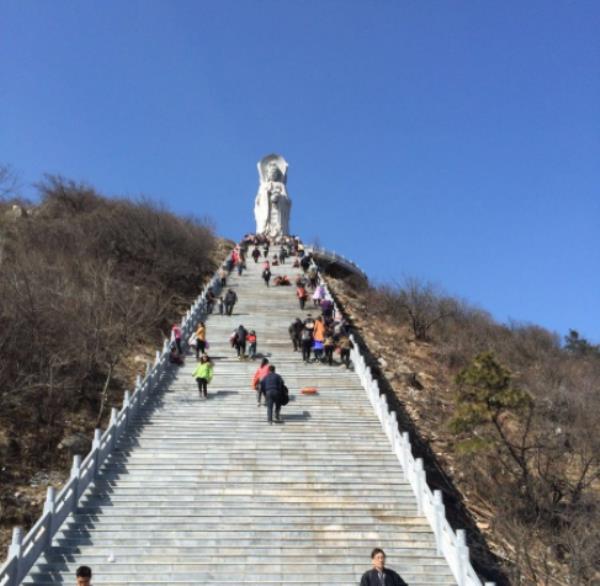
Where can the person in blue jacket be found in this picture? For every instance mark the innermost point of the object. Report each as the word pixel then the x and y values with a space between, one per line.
pixel 272 387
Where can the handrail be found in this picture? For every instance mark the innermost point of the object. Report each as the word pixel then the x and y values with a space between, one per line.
pixel 23 552
pixel 452 545
pixel 337 258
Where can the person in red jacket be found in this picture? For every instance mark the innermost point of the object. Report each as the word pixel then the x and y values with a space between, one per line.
pixel 302 295
pixel 260 373
pixel 251 339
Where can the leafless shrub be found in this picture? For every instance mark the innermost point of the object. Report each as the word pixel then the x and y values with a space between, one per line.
pixel 419 304
pixel 84 282
pixel 541 474
pixel 9 182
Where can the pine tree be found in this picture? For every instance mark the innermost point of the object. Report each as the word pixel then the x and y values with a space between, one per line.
pixel 486 399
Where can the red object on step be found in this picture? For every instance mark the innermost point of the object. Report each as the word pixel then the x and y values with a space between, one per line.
pixel 309 391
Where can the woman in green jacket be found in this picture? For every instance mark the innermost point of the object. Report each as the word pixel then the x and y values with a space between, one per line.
pixel 203 375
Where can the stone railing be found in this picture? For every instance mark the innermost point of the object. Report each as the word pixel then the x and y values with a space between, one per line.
pixel 449 543
pixel 24 551
pixel 334 257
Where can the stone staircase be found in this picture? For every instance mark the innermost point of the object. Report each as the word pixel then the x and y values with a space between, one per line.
pixel 206 492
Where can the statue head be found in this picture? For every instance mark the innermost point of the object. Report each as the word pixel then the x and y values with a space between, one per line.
pixel 273 172
pixel 273 168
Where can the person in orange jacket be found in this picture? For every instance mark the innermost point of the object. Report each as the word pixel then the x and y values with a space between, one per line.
pixel 260 373
pixel 302 295
pixel 319 331
pixel 251 339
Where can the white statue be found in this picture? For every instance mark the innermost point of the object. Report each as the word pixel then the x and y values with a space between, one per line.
pixel 272 204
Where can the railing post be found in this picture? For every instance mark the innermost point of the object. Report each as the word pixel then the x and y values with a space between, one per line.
pixel 384 413
pixel 75 473
pixel 96 447
pixel 419 473
pixel 394 419
pixel 157 358
pixel 140 390
pixel 397 446
pixel 438 516
pixel 126 403
pixel 14 549
pixel 148 378
pixel 113 425
pixel 49 509
pixel 392 426
pixel 462 556
pixel 405 448
pixel 382 409
pixel 376 391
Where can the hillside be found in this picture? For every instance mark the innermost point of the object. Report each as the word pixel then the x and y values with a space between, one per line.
pixel 89 288
pixel 506 419
pixel 505 416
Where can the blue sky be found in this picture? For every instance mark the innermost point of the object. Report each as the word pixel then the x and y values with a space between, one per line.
pixel 454 141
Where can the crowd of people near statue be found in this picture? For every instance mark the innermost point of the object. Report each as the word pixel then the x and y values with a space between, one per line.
pixel 317 337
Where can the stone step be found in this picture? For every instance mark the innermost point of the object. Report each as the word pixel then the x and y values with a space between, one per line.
pixel 247 539
pixel 132 553
pixel 274 461
pixel 258 524
pixel 339 561
pixel 258 566
pixel 256 506
pixel 331 486
pixel 272 531
pixel 243 454
pixel 251 572
pixel 275 577
pixel 242 500
pixel 264 475
pixel 287 439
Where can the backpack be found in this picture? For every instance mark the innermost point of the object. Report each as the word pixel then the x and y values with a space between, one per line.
pixel 285 396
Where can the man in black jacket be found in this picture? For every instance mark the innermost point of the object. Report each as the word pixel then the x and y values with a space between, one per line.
pixel 295 331
pixel 379 575
pixel 272 386
pixel 230 301
pixel 240 341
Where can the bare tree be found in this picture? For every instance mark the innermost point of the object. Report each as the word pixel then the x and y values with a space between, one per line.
pixel 8 182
